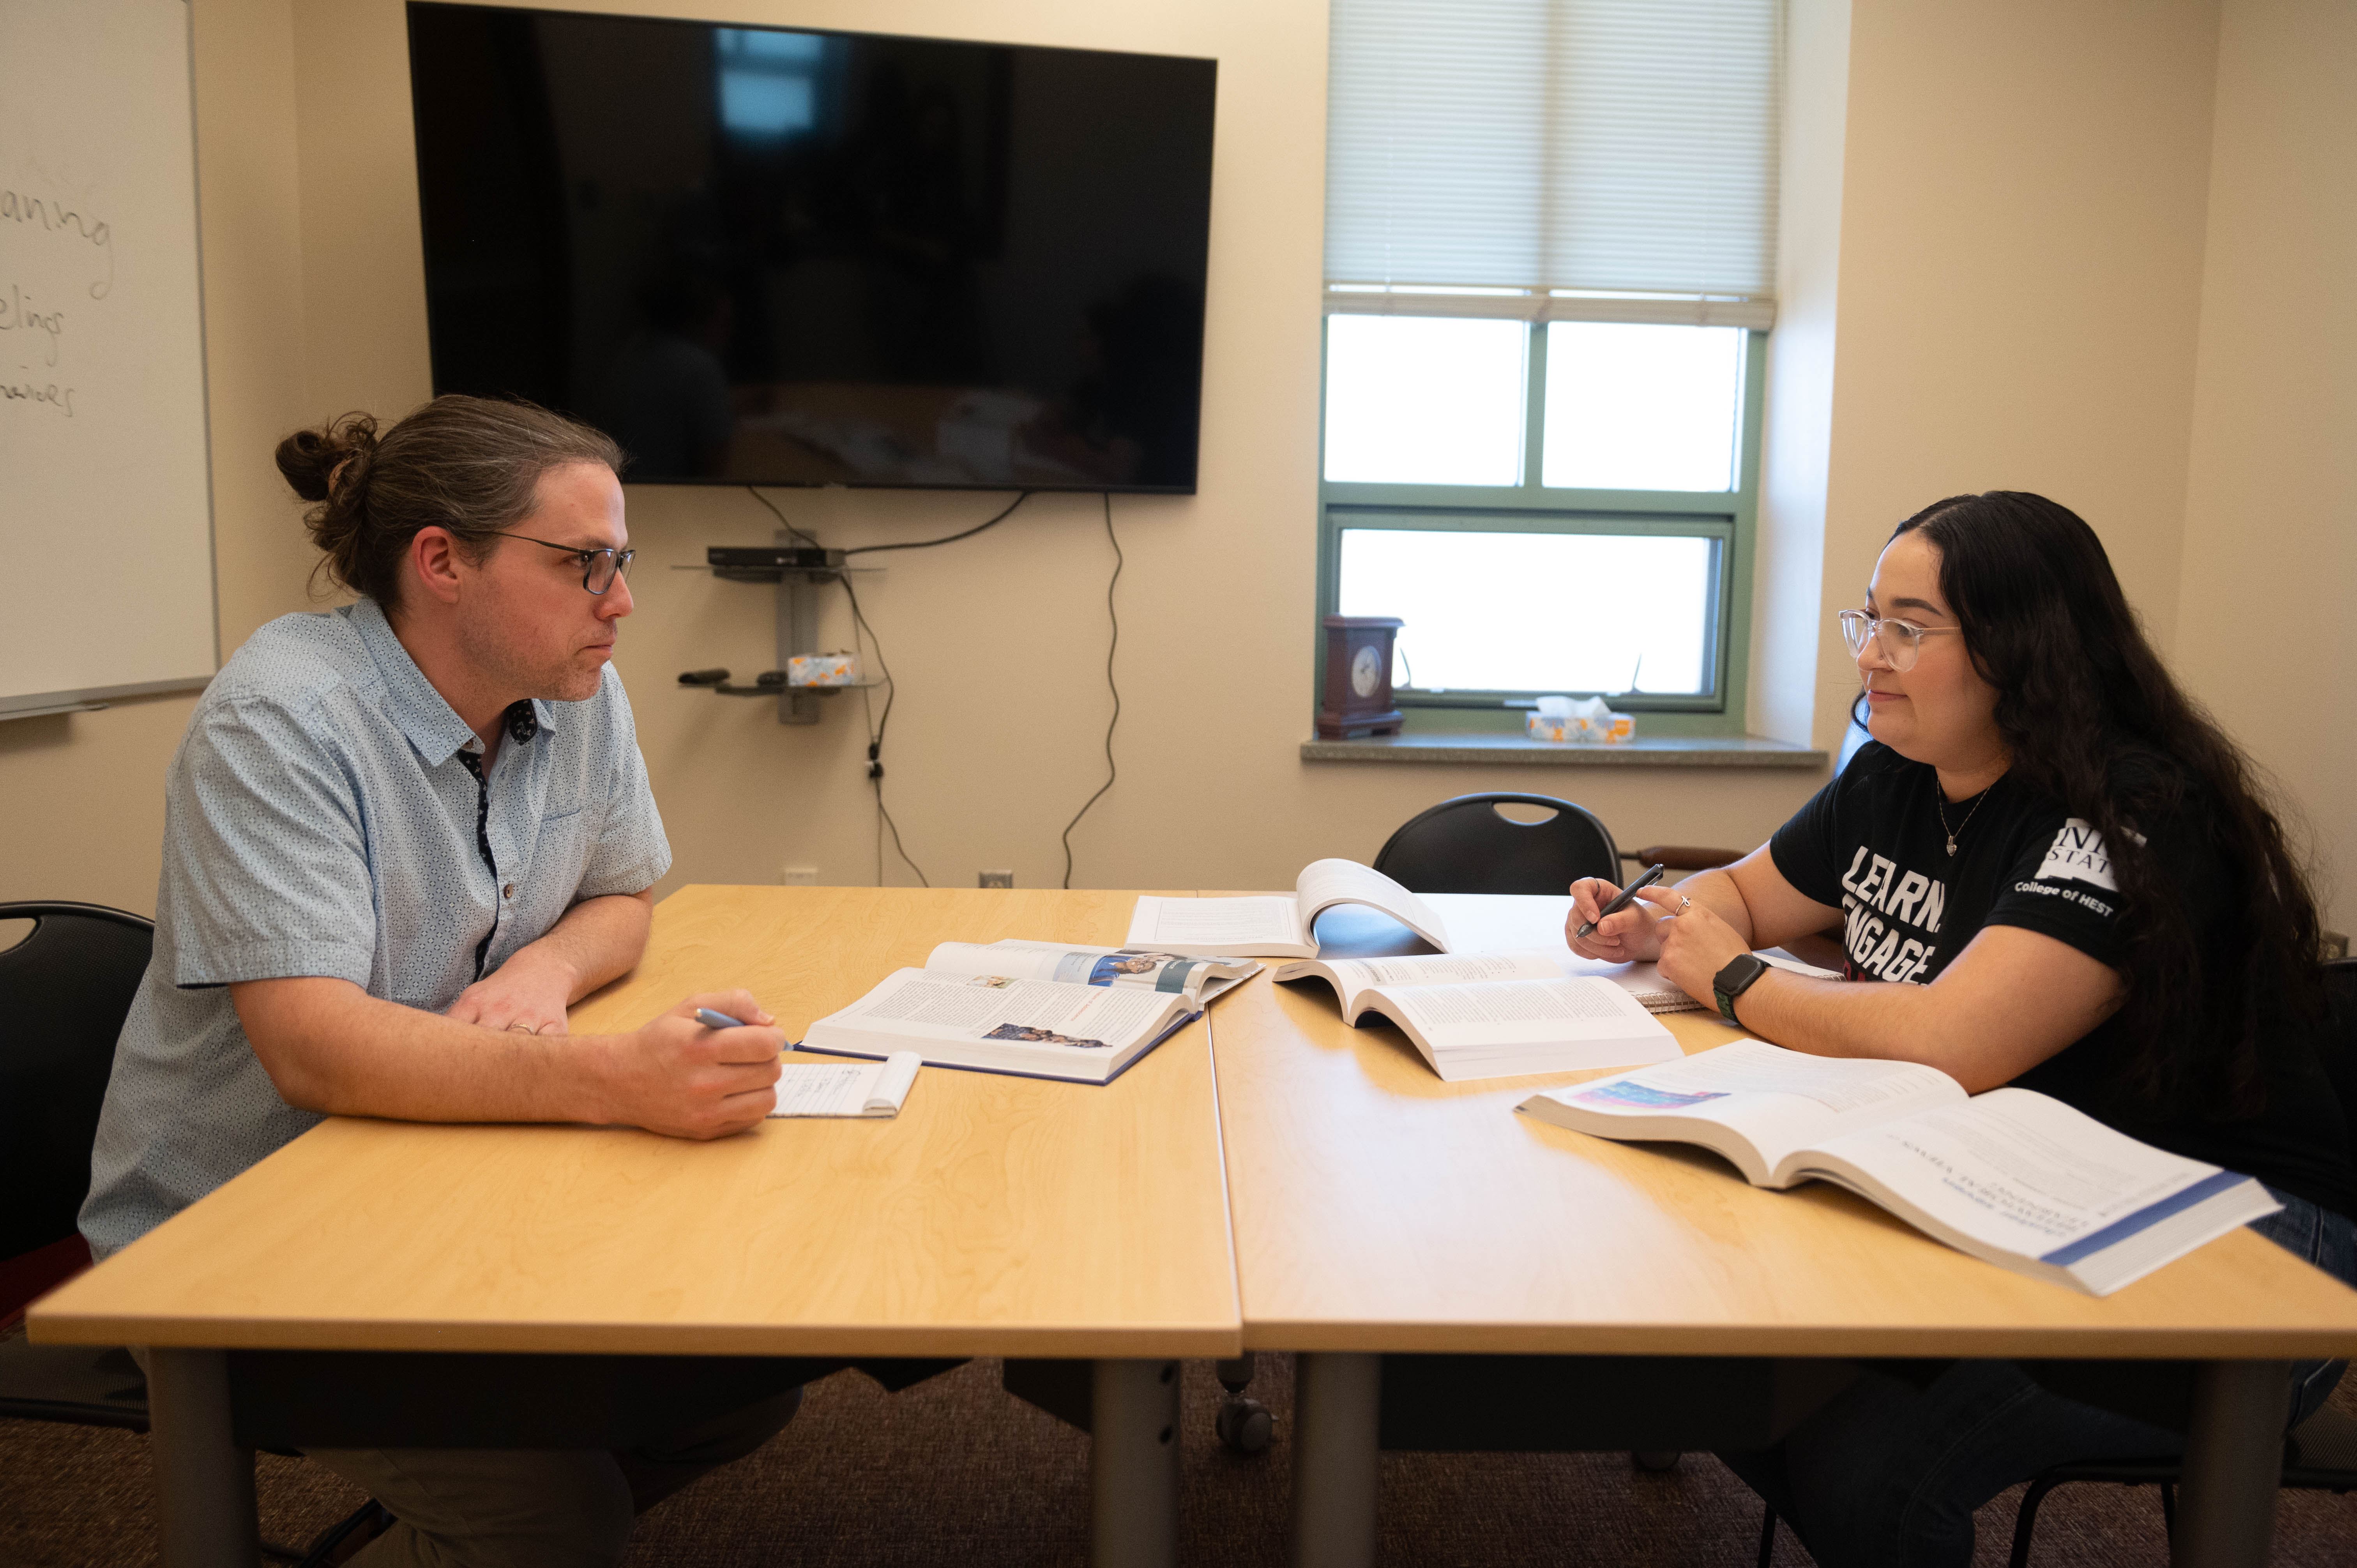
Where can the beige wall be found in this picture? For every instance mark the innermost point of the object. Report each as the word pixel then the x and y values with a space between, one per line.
pixel 1995 265
pixel 1796 437
pixel 2021 237
pixel 2269 574
pixel 998 644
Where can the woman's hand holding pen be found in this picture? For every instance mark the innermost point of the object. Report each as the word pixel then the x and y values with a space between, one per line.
pixel 1629 934
pixel 1684 935
pixel 1692 941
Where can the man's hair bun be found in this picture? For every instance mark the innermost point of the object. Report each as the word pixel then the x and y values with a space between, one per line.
pixel 469 464
pixel 310 458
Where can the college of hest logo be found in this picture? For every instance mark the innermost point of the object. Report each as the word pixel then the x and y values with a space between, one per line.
pixel 2078 854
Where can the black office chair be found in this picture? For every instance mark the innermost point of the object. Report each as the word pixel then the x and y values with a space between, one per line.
pixel 2321 1453
pixel 65 990
pixel 1466 845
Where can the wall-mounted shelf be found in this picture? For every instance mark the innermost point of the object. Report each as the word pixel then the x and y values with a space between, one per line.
pixel 800 570
pixel 768 683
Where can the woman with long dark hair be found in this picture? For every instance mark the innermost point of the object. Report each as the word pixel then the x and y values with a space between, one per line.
pixel 2079 887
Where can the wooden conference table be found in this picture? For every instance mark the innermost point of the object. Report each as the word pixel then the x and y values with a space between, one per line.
pixel 995 1216
pixel 1459 1277
pixel 1454 1276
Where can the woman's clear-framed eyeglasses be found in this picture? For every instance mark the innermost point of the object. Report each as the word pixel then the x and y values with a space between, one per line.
pixel 598 567
pixel 1898 641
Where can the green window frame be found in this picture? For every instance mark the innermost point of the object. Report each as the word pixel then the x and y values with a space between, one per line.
pixel 1726 517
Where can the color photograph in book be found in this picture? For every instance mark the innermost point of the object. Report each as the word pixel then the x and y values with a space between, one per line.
pixel 1277 925
pixel 1495 1015
pixel 1197 979
pixel 2012 1177
pixel 1008 1023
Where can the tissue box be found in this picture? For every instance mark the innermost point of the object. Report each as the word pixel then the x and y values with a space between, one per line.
pixel 823 670
pixel 1608 729
pixel 1553 727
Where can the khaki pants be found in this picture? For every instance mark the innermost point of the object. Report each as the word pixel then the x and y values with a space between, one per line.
pixel 489 1508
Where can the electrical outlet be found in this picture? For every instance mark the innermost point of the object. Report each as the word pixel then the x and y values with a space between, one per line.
pixel 994 879
pixel 798 876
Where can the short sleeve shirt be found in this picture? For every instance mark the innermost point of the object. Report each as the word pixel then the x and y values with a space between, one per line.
pixel 321 820
pixel 1873 843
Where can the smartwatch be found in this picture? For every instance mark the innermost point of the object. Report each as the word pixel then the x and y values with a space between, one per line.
pixel 1733 980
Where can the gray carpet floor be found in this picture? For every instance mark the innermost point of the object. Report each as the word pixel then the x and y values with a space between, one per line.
pixel 955 1471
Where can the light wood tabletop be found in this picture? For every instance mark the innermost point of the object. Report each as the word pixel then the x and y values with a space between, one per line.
pixel 994 1215
pixel 1378 1208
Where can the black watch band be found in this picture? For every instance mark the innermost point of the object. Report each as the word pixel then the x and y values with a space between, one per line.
pixel 1733 980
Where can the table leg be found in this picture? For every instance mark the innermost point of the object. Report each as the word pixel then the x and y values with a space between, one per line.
pixel 1133 1464
pixel 1337 1401
pixel 204 1481
pixel 2234 1463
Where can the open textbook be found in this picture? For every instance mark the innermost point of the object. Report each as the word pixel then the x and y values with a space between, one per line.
pixel 1197 979
pixel 847 1089
pixel 1274 924
pixel 2012 1176
pixel 1496 1014
pixel 1010 1016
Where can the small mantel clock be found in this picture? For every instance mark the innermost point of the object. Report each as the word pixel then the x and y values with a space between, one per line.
pixel 1358 696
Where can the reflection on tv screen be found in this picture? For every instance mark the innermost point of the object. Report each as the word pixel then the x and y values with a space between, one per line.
pixel 784 257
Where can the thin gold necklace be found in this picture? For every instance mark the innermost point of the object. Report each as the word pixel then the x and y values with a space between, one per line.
pixel 1942 806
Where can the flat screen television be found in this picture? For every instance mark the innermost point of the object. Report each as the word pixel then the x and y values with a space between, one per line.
pixel 786 257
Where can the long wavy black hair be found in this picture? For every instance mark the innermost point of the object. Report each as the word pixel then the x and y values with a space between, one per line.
pixel 2093 720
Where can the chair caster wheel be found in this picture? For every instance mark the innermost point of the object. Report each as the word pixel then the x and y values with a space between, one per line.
pixel 1659 1461
pixel 1244 1425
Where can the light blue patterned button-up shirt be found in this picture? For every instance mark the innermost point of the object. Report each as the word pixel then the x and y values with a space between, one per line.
pixel 319 821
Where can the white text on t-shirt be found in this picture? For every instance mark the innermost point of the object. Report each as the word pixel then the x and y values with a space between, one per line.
pixel 1881 905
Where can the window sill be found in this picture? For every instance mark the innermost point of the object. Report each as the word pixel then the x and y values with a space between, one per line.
pixel 1656 751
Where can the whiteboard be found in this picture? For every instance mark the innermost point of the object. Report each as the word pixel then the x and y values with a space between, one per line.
pixel 105 492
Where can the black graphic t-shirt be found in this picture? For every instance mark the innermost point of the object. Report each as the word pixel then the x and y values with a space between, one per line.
pixel 1872 844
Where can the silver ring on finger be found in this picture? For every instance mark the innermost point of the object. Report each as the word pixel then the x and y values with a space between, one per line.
pixel 1685 904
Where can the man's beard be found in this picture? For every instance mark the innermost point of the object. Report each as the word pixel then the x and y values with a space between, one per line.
pixel 557 679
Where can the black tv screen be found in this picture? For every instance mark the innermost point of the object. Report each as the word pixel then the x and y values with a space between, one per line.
pixel 786 257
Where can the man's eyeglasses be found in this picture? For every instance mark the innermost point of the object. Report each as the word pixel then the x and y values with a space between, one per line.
pixel 1898 641
pixel 598 567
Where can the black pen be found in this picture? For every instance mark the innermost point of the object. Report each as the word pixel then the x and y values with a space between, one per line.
pixel 1652 873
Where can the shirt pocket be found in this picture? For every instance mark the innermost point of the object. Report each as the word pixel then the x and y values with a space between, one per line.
pixel 561 848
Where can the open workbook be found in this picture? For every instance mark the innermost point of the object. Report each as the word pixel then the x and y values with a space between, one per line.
pixel 2012 1176
pixel 1272 925
pixel 847 1089
pixel 1003 1008
pixel 1496 1014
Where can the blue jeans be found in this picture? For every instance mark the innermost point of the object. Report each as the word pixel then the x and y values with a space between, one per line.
pixel 1888 1474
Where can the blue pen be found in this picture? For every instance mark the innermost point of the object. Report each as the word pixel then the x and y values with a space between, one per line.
pixel 711 1020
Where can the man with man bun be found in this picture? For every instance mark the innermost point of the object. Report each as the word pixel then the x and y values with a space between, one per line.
pixel 402 837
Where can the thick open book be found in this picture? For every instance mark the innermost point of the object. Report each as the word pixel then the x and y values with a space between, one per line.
pixel 2012 1176
pixel 1272 925
pixel 1495 1015
pixel 1012 1016
pixel 847 1089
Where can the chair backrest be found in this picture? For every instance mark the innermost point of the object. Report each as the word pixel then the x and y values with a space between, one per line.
pixel 1464 846
pixel 2337 1045
pixel 64 990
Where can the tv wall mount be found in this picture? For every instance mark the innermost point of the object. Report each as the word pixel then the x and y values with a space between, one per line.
pixel 801 572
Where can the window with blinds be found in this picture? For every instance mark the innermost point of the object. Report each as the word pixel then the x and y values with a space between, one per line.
pixel 1572 156
pixel 1550 264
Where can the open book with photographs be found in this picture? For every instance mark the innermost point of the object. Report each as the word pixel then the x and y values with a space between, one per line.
pixel 2012 1176
pixel 1035 1009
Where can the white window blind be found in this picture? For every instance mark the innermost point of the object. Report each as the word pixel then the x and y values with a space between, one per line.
pixel 1555 159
